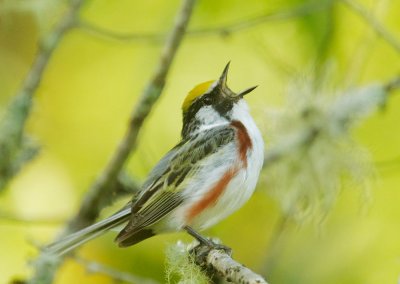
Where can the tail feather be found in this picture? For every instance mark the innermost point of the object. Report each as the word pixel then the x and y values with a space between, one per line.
pixel 134 238
pixel 80 237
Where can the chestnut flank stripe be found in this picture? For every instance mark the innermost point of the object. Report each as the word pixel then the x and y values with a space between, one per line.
pixel 211 196
pixel 244 144
pixel 244 141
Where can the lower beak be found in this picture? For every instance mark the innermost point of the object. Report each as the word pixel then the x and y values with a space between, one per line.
pixel 245 92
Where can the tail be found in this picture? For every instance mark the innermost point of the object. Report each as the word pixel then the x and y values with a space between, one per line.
pixel 80 237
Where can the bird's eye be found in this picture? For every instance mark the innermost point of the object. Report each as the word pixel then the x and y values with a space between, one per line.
pixel 207 100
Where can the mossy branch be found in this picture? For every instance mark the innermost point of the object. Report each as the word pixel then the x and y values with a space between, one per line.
pixel 220 262
pixel 199 262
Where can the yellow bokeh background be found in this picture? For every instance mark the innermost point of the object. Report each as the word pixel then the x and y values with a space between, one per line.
pixel 91 83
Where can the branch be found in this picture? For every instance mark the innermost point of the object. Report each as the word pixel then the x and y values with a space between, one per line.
pixel 98 268
pixel 48 46
pixel 101 191
pixel 15 149
pixel 220 261
pixel 299 11
pixel 376 25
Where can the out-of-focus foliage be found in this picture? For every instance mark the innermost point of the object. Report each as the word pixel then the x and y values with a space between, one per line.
pixel 318 155
pixel 91 83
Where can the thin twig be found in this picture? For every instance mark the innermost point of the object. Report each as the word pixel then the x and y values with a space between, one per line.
pixel 376 25
pixel 220 261
pixel 13 147
pixel 298 11
pixel 48 46
pixel 98 268
pixel 101 192
pixel 360 56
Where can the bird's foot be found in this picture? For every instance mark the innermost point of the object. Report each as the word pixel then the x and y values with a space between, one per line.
pixel 206 244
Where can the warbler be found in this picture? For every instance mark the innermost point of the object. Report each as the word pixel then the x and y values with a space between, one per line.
pixel 206 177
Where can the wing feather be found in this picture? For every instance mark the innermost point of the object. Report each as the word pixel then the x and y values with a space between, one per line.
pixel 164 185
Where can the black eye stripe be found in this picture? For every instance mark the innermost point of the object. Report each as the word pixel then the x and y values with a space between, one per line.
pixel 220 103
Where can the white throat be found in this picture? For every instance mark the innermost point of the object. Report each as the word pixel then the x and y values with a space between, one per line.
pixel 208 118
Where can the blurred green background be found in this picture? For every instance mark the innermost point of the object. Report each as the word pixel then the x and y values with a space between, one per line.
pixel 83 103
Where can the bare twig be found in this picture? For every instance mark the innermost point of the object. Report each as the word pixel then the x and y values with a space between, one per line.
pixel 298 11
pixel 97 31
pixel 14 149
pixel 48 46
pixel 98 268
pixel 220 261
pixel 361 55
pixel 102 190
pixel 376 25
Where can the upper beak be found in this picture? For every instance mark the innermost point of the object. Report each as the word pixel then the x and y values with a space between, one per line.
pixel 222 83
pixel 224 77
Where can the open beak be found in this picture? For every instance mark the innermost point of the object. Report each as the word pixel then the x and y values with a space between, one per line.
pixel 222 84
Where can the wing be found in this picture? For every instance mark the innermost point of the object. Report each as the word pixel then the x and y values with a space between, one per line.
pixel 164 185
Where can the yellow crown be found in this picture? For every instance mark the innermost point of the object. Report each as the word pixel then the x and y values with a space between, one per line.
pixel 194 93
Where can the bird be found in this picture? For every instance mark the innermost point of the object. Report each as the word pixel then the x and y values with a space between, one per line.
pixel 207 176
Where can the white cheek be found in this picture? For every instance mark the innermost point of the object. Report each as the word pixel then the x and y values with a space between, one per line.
pixel 208 116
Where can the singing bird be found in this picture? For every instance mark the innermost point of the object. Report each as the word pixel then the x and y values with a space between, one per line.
pixel 206 177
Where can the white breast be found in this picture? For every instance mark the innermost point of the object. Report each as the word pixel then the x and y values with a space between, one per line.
pixel 241 186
